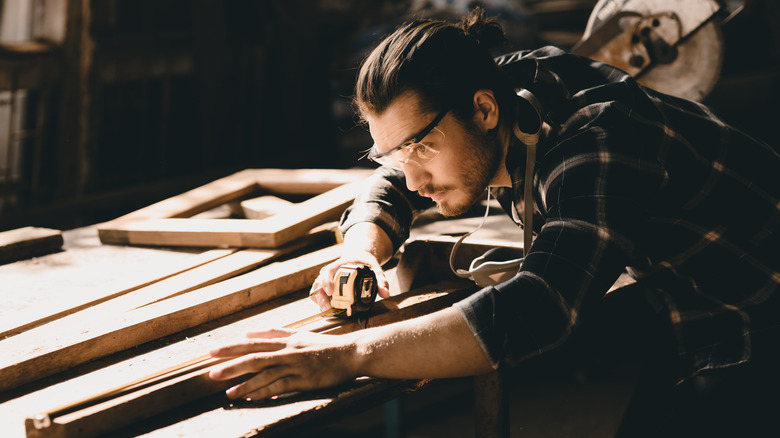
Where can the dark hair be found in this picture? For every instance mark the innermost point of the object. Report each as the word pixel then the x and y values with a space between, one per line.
pixel 444 63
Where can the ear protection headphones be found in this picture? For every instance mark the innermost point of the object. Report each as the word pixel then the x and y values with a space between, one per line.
pixel 488 269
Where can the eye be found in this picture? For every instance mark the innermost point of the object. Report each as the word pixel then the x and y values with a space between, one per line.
pixel 421 148
pixel 424 151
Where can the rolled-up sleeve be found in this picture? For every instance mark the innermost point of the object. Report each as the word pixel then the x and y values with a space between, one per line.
pixel 583 246
pixel 539 308
pixel 516 319
pixel 386 202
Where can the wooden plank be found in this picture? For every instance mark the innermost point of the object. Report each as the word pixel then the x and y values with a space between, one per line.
pixel 426 259
pixel 263 207
pixel 198 199
pixel 129 408
pixel 214 272
pixel 290 224
pixel 245 182
pixel 137 405
pixel 59 345
pixel 211 267
pixel 23 243
pixel 306 181
pixel 419 301
pixel 32 317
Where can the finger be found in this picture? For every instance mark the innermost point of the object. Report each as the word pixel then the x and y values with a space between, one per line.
pixel 383 286
pixel 261 386
pixel 317 285
pixel 279 387
pixel 243 348
pixel 325 279
pixel 321 299
pixel 270 334
pixel 247 364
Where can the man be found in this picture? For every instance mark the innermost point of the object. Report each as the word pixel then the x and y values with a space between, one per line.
pixel 623 178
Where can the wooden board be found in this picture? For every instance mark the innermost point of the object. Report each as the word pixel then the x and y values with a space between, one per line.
pixel 290 224
pixel 127 409
pixel 141 404
pixel 208 268
pixel 23 243
pixel 70 341
pixel 47 312
pixel 263 207
pixel 161 224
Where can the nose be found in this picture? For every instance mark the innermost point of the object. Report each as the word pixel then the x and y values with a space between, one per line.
pixel 416 176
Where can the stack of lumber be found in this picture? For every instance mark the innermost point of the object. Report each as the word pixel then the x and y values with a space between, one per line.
pixel 271 417
pixel 240 275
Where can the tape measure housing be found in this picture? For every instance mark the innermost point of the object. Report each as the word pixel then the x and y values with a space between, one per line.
pixel 354 289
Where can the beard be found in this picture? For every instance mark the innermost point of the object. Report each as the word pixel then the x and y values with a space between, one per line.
pixel 475 175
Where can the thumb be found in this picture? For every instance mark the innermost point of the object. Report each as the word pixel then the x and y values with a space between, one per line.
pixel 383 286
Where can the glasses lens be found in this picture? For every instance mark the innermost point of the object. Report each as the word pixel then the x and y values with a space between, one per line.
pixel 412 153
pixel 421 153
pixel 415 154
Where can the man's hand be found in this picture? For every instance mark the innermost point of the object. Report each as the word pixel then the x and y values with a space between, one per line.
pixel 437 345
pixel 365 243
pixel 322 288
pixel 284 361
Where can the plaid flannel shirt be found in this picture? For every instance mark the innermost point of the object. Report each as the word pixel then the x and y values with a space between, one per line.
pixel 626 179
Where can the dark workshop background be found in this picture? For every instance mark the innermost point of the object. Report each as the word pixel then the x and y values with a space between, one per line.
pixel 109 105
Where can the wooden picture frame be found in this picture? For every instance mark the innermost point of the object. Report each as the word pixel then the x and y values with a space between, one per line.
pixel 170 223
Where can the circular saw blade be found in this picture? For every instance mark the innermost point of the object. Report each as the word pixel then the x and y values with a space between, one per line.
pixel 695 71
pixel 696 67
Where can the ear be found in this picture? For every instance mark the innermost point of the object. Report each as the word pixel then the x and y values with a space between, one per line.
pixel 485 109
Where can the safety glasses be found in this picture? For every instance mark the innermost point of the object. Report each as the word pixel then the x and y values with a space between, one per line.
pixel 410 152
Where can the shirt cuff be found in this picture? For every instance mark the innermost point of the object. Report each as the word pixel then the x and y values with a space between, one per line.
pixel 479 311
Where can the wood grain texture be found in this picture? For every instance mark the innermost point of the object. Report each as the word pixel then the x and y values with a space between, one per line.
pixel 41 314
pixel 306 181
pixel 23 243
pixel 263 207
pixel 65 343
pixel 198 199
pixel 129 408
pixel 206 274
pixel 102 417
pixel 207 268
pixel 164 223
pixel 290 224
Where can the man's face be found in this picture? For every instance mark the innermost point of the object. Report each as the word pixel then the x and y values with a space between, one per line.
pixel 458 175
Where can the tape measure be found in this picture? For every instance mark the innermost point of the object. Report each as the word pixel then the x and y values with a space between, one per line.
pixel 354 289
pixel 354 293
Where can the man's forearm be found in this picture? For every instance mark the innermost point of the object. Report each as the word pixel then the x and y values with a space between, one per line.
pixel 369 237
pixel 439 345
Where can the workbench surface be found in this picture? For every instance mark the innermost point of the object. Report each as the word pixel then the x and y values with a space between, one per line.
pixel 86 270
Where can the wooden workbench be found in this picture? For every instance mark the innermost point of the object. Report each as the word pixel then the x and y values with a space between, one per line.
pixel 87 270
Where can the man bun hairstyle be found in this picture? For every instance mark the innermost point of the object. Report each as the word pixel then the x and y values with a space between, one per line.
pixel 486 30
pixel 444 63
